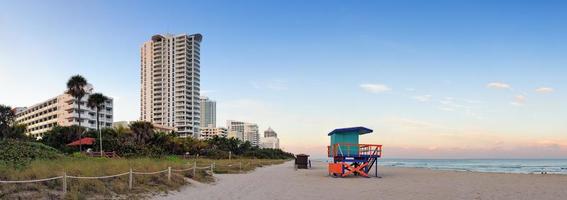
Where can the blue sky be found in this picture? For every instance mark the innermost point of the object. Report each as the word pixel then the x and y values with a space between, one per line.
pixel 433 78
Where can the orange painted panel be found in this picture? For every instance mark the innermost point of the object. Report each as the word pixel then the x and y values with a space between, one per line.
pixel 335 168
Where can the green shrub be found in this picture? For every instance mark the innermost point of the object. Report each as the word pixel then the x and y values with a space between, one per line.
pixel 59 136
pixel 268 154
pixel 215 154
pixel 18 153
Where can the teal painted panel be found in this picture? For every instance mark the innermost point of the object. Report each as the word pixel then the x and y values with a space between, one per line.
pixel 350 138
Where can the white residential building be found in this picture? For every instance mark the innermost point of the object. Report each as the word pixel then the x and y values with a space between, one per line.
pixel 170 79
pixel 270 139
pixel 63 111
pixel 210 132
pixel 235 129
pixel 270 143
pixel 244 131
pixel 252 134
pixel 208 112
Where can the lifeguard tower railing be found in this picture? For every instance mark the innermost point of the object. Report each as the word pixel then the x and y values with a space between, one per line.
pixel 343 151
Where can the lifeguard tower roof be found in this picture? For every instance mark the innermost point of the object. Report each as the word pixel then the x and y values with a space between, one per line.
pixel 359 129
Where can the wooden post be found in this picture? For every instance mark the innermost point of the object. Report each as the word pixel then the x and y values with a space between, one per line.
pixel 130 179
pixel 194 168
pixel 376 167
pixel 169 174
pixel 64 184
pixel 240 167
pixel 212 169
pixel 229 155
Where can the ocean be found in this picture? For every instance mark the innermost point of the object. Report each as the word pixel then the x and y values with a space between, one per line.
pixel 524 166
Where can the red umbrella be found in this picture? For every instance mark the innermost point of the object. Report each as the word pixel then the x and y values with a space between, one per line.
pixel 84 141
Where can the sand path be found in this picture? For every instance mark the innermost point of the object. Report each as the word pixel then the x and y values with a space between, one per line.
pixel 283 182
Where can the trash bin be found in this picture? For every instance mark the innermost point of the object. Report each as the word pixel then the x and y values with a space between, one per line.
pixel 302 161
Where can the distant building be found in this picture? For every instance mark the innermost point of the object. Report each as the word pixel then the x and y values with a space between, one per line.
pixel 270 143
pixel 235 129
pixel 244 131
pixel 170 79
pixel 270 133
pixel 252 134
pixel 210 132
pixel 62 110
pixel 208 112
pixel 270 140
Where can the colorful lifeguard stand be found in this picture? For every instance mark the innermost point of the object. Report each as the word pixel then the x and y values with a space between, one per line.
pixel 350 157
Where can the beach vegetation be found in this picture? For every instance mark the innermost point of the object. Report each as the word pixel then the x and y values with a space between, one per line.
pixel 17 154
pixel 59 136
pixel 144 186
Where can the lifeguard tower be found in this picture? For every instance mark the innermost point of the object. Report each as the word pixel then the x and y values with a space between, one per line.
pixel 350 157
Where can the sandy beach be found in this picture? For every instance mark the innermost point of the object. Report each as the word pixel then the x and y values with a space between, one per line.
pixel 283 182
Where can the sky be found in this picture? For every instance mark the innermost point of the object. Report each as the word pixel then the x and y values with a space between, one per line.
pixel 433 79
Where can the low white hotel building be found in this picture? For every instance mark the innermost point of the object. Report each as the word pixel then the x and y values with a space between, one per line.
pixel 209 132
pixel 62 110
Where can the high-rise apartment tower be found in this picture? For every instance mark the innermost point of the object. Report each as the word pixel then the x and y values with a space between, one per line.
pixel 170 71
pixel 208 112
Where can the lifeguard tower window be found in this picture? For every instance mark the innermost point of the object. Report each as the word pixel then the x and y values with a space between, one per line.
pixel 345 139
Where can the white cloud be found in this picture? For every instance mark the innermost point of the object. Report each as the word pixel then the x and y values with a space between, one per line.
pixel 375 88
pixel 498 85
pixel 519 100
pixel 423 98
pixel 544 90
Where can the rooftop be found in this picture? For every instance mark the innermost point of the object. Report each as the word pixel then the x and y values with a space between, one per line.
pixel 361 130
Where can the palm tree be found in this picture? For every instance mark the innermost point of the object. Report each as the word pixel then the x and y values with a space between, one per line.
pixel 143 131
pixel 76 88
pixel 96 101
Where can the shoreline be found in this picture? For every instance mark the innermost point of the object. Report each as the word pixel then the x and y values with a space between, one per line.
pixel 469 171
pixel 283 182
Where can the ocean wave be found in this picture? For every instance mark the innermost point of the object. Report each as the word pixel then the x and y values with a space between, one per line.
pixel 511 166
pixel 498 166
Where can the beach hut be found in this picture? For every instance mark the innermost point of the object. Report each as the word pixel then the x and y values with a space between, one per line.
pixel 349 156
pixel 302 161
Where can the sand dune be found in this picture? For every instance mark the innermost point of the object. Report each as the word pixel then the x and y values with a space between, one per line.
pixel 283 182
